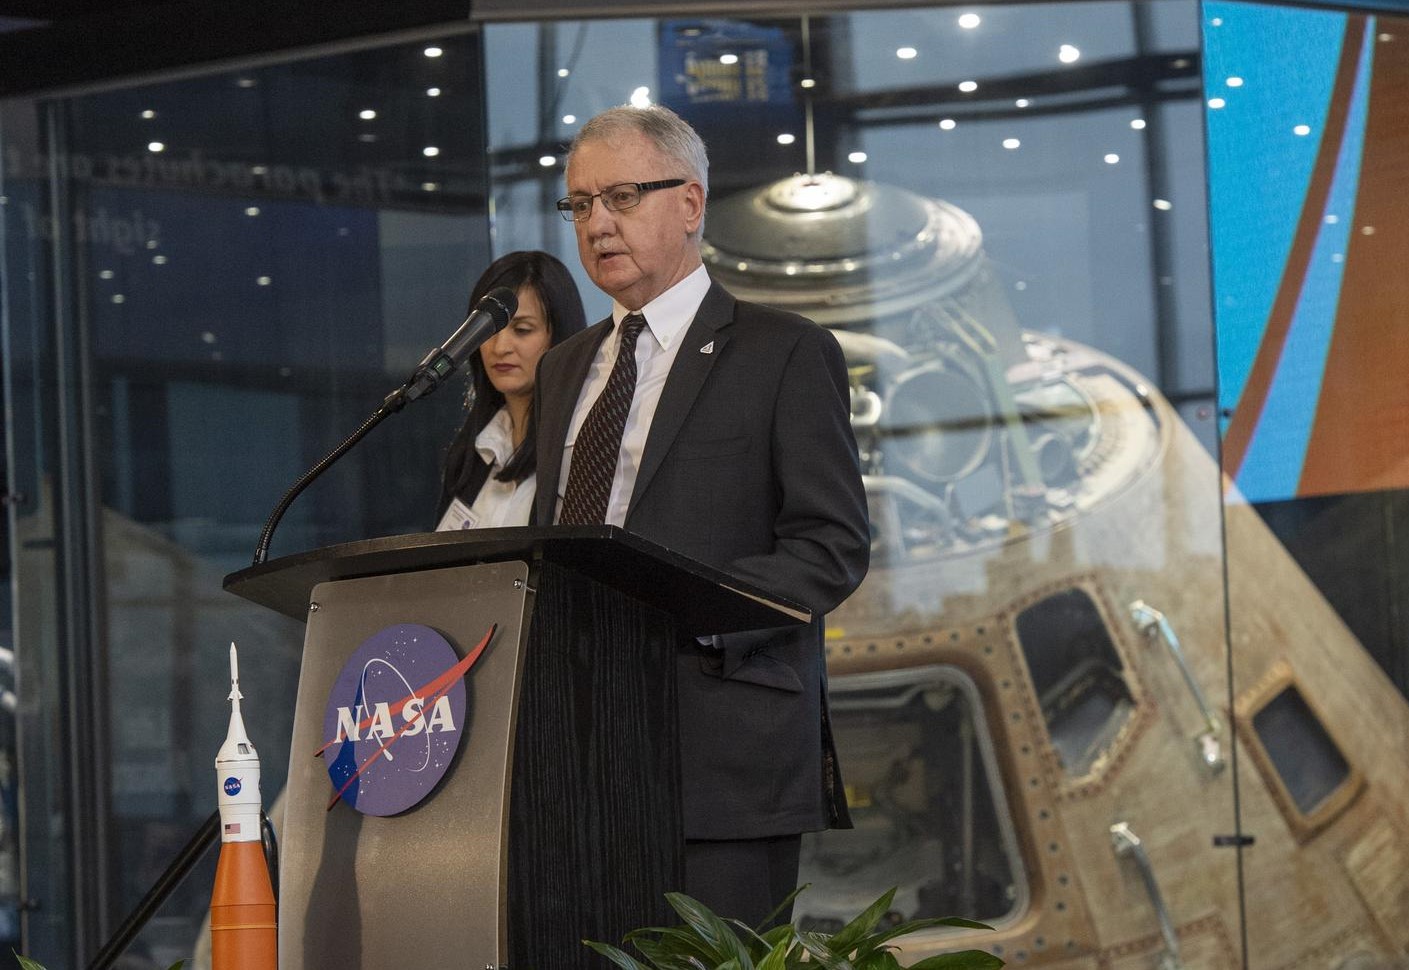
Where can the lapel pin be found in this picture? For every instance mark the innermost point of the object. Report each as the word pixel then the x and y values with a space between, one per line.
pixel 708 348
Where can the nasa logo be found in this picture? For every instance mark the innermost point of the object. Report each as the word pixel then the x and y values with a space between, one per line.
pixel 395 718
pixel 232 786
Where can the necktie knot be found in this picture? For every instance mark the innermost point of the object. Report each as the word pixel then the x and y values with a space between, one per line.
pixel 631 326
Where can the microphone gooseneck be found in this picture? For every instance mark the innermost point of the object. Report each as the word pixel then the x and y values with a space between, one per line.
pixel 490 315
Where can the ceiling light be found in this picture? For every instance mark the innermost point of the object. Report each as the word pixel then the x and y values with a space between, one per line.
pixel 856 157
pixel 641 97
pixel 1234 82
pixel 119 298
pixel 1216 22
pixel 149 114
pixel 547 161
pixel 430 151
pixel 1163 205
pixel 1068 54
pixel 430 186
pixel 1137 123
pixel 1216 103
pixel 1332 219
pixel 1022 102
pixel 246 82
pixel 728 58
pixel 159 260
pixel 155 146
pixel 808 82
pixel 1301 130
pixel 432 92
pixel 569 119
pixel 947 124
pixel 563 72
pixel 366 114
pixel 786 139
pixel 433 52
pixel 1011 143
pixel 208 337
pixel 263 280
pixel 907 53
pixel 1111 158
pixel 367 136
pixel 968 87
pixel 106 274
pixel 252 210
pixel 969 20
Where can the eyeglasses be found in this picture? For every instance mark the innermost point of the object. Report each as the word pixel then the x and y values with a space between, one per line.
pixel 626 195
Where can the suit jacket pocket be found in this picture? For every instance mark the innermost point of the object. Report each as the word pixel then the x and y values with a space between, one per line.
pixel 712 448
pixel 759 669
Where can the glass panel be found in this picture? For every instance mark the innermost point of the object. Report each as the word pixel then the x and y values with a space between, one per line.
pixel 1307 144
pixel 238 267
pixel 999 212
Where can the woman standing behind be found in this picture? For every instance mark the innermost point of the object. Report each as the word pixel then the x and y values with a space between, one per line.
pixel 488 479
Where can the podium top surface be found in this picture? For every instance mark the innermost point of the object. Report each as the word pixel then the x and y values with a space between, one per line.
pixel 702 599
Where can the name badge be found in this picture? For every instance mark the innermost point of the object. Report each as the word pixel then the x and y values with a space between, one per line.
pixel 458 516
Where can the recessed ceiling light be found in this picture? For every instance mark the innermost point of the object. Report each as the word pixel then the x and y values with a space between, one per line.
pixel 366 114
pixel 641 97
pixel 547 161
pixel 1137 123
pixel 808 82
pixel 856 157
pixel 1301 130
pixel 430 151
pixel 728 58
pixel 156 146
pixel 1011 143
pixel 947 124
pixel 149 114
pixel 105 274
pixel 968 87
pixel 786 139
pixel 263 280
pixel 1022 102
pixel 430 186
pixel 1216 103
pixel 159 260
pixel 252 210
pixel 1234 82
pixel 432 92
pixel 119 298
pixel 1164 205
pixel 433 52
pixel 969 20
pixel 907 53
pixel 1111 158
pixel 569 119
pixel 1068 54
pixel 563 72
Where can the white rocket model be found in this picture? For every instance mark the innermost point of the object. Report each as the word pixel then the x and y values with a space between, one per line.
pixel 237 768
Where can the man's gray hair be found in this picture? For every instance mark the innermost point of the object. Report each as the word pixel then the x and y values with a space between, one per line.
pixel 671 134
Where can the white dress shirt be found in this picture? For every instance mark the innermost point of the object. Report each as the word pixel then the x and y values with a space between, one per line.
pixel 668 316
pixel 498 504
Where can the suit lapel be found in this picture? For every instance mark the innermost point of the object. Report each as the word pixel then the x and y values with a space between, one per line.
pixel 682 386
pixel 555 406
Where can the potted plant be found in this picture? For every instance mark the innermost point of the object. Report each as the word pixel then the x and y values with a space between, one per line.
pixel 708 942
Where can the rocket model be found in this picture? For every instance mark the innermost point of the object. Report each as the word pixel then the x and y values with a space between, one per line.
pixel 243 921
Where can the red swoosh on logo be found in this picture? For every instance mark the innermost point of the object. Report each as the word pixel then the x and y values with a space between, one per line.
pixel 438 686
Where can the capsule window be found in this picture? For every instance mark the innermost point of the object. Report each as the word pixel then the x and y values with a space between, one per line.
pixel 1305 758
pixel 927 802
pixel 1078 676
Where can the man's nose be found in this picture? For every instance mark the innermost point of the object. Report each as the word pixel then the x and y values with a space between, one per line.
pixel 600 220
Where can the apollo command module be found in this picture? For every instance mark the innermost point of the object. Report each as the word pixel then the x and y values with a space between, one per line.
pixel 1030 690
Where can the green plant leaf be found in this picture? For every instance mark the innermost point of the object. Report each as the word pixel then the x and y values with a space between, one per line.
pixel 961 960
pixel 713 931
pixel 26 963
pixel 818 947
pixel 682 941
pixel 617 956
pixel 777 958
pixel 872 943
pixel 788 901
pixel 178 965
pixel 879 960
pixel 850 936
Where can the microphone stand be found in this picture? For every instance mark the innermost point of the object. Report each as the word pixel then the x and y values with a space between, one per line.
pixel 394 402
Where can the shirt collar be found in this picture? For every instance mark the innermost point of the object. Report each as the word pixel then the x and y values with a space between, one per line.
pixel 495 441
pixel 669 315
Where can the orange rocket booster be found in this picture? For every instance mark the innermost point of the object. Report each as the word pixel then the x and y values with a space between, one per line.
pixel 244 932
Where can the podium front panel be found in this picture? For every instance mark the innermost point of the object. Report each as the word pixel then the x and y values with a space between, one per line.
pixel 423 888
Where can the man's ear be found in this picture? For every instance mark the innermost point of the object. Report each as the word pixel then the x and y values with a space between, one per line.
pixel 694 207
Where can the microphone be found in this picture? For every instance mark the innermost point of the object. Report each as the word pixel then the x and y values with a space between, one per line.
pixel 490 315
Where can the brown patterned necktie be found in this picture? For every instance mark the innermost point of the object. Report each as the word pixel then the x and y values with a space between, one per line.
pixel 594 455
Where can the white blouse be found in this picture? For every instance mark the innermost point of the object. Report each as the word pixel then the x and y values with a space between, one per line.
pixel 498 504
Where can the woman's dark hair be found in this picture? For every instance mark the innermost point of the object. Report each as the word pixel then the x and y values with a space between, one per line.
pixel 562 306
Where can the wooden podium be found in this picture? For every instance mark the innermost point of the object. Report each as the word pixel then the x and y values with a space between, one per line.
pixel 558 819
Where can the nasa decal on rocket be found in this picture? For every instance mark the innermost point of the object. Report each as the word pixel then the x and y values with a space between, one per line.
pixel 243 917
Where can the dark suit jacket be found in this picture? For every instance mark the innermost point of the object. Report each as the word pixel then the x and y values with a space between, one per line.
pixel 750 465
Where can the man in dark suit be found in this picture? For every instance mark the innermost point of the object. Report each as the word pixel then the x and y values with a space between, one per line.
pixel 727 436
